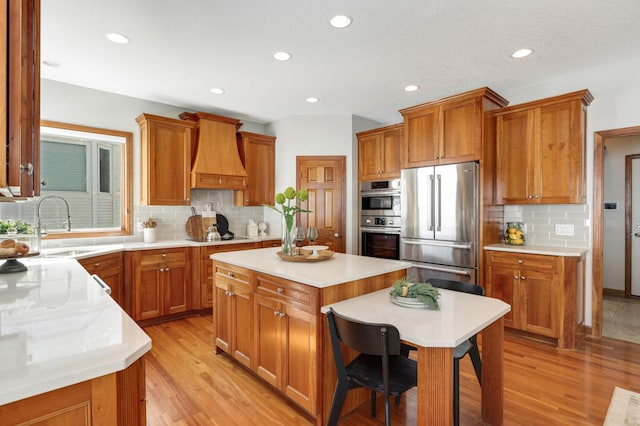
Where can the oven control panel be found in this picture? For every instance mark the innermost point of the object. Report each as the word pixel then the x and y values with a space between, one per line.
pixel 380 221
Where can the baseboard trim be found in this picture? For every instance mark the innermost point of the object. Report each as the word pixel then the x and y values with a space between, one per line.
pixel 613 292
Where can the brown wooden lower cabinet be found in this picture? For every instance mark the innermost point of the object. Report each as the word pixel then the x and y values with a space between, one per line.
pixel 113 399
pixel 285 349
pixel 290 349
pixel 109 267
pixel 546 293
pixel 233 314
pixel 161 282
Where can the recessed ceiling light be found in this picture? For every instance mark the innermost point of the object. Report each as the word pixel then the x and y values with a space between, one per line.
pixel 282 56
pixel 521 53
pixel 411 88
pixel 217 91
pixel 312 100
pixel 340 21
pixel 117 38
pixel 52 64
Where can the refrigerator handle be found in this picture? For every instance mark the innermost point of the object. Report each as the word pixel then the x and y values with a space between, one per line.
pixel 433 199
pixel 441 269
pixel 439 228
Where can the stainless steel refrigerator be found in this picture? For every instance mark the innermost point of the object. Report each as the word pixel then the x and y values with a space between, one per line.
pixel 439 226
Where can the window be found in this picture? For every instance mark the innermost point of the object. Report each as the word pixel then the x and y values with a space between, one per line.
pixel 91 169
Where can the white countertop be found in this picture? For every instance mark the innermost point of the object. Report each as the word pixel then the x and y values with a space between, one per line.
pixel 84 251
pixel 460 316
pixel 539 249
pixel 340 268
pixel 58 327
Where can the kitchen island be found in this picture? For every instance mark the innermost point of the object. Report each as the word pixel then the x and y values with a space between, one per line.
pixel 68 352
pixel 267 317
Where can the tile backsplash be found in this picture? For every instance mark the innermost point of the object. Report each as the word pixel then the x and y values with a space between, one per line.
pixel 541 221
pixel 171 219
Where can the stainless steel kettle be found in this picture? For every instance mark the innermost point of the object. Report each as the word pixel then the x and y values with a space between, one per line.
pixel 212 233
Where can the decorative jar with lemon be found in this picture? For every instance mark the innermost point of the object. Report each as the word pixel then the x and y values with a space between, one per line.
pixel 513 234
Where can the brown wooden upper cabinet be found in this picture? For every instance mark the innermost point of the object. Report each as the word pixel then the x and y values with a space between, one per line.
pixel 379 152
pixel 258 156
pixel 20 98
pixel 165 152
pixel 541 151
pixel 448 130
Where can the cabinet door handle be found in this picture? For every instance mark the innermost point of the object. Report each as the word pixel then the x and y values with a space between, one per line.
pixel 27 168
pixel 280 290
pixel 276 313
pixel 282 314
pixel 530 196
pixel 166 269
pixel 515 277
pixel 523 278
pixel 161 269
pixel 230 274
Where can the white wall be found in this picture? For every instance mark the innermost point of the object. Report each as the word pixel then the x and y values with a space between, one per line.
pixel 316 135
pixel 614 220
pixel 308 135
pixel 616 89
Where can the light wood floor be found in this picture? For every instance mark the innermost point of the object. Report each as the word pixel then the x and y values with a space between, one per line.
pixel 188 385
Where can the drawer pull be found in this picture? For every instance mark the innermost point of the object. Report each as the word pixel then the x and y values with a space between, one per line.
pixel 230 274
pixel 164 254
pixel 520 261
pixel 102 284
pixel 97 265
pixel 280 290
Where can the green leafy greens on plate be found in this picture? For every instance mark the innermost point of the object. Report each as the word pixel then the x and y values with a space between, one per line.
pixel 424 292
pixel 19 226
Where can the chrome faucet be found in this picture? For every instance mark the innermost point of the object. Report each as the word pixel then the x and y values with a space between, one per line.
pixel 38 213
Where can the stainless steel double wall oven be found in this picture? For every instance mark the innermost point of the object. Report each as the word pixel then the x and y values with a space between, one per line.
pixel 380 217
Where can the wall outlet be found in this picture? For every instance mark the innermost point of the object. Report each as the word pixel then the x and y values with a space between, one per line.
pixel 564 229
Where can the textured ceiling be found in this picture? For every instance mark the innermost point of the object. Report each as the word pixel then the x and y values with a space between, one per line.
pixel 178 50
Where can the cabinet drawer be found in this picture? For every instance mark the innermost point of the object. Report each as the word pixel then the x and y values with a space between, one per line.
pixel 232 274
pixel 101 263
pixel 156 257
pixel 299 295
pixel 538 262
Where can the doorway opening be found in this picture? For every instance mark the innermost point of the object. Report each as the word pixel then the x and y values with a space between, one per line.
pixel 599 221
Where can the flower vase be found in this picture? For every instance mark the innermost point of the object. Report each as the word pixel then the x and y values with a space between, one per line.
pixel 287 246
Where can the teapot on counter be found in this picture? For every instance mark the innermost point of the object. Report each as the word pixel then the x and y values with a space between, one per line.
pixel 212 233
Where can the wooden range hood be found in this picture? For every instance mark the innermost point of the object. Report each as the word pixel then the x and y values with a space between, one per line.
pixel 215 161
